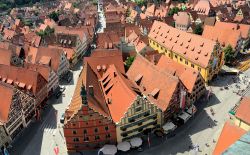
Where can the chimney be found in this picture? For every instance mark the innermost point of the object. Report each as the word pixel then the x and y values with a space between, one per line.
pixel 98 68
pixel 91 90
pixel 104 68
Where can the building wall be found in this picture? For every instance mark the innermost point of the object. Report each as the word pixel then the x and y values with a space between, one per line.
pixel 242 124
pixel 141 115
pixel 63 66
pixel 3 136
pixel 53 81
pixel 42 94
pixel 88 130
pixel 198 90
pixel 207 73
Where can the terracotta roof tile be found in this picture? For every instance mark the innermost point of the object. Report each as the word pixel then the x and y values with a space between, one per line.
pixel 161 32
pixel 6 93
pixel 187 75
pixel 243 110
pixel 42 69
pixel 5 56
pixel 22 75
pixel 153 78
pixel 119 92
pixel 102 57
pixel 229 134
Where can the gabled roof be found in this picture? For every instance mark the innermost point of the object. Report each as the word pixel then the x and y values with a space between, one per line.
pixel 71 31
pixel 193 47
pixel 243 110
pixel 187 75
pixel 42 69
pixel 119 92
pixel 5 56
pixel 224 36
pixel 153 78
pixel 182 18
pixel 22 76
pixel 229 134
pixel 6 94
pixel 101 59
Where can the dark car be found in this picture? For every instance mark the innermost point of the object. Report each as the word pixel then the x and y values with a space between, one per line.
pixel 62 118
pixel 58 94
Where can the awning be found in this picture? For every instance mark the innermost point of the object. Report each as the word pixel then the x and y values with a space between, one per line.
pixel 136 142
pixel 108 149
pixel 192 110
pixel 184 116
pixel 123 146
pixel 169 127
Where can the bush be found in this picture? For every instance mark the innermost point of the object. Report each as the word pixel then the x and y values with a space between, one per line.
pixel 129 61
pixel 229 54
pixel 173 11
pixel 54 15
pixel 198 29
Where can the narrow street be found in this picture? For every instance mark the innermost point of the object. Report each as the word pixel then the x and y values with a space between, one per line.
pixel 41 137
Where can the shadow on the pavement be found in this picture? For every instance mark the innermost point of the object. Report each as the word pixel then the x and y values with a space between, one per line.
pixel 213 100
pixel 22 145
pixel 221 81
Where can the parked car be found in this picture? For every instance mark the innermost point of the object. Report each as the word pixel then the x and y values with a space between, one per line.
pixel 58 94
pixel 62 89
pixel 62 118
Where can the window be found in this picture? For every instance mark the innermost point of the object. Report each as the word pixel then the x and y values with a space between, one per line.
pixel 199 69
pixel 108 136
pixel 85 131
pixel 97 137
pixel 181 59
pixel 106 128
pixel 100 121
pixel 138 109
pixel 74 132
pixel 153 43
pixel 86 139
pixel 96 130
pixel 169 55
pixel 192 65
pixel 175 56
pixel 76 139
pixel 124 134
pixel 157 45
pixel 74 124
pixel 139 124
pixel 161 48
pixel 186 62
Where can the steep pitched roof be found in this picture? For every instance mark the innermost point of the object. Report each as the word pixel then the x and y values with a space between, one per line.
pixel 229 134
pixel 27 78
pixel 119 92
pixel 187 75
pixel 42 69
pixel 193 47
pixel 243 110
pixel 243 28
pixel 182 18
pixel 71 31
pixel 101 59
pixel 5 56
pixel 44 55
pixel 149 78
pixel 6 94
pixel 224 36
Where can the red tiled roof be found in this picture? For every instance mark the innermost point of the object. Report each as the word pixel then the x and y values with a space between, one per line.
pixel 22 75
pixel 193 47
pixel 119 92
pixel 42 69
pixel 5 56
pixel 71 31
pixel 187 75
pixel 229 134
pixel 6 93
pixel 102 57
pixel 243 110
pixel 153 78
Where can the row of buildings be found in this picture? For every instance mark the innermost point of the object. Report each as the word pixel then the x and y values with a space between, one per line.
pixel 110 106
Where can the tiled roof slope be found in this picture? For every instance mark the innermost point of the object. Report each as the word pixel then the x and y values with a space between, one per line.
pixel 6 93
pixel 19 75
pixel 229 134
pixel 151 78
pixel 101 59
pixel 243 111
pixel 193 47
pixel 187 75
pixel 5 56
pixel 118 91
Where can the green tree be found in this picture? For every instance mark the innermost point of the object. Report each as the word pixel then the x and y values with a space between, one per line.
pixel 54 15
pixel 46 32
pixel 140 2
pixel 229 54
pixel 129 62
pixel 173 11
pixel 198 29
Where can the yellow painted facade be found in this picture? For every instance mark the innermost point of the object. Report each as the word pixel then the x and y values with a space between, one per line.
pixel 141 115
pixel 207 73
pixel 242 124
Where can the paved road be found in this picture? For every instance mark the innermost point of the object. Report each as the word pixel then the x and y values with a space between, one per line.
pixel 41 137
